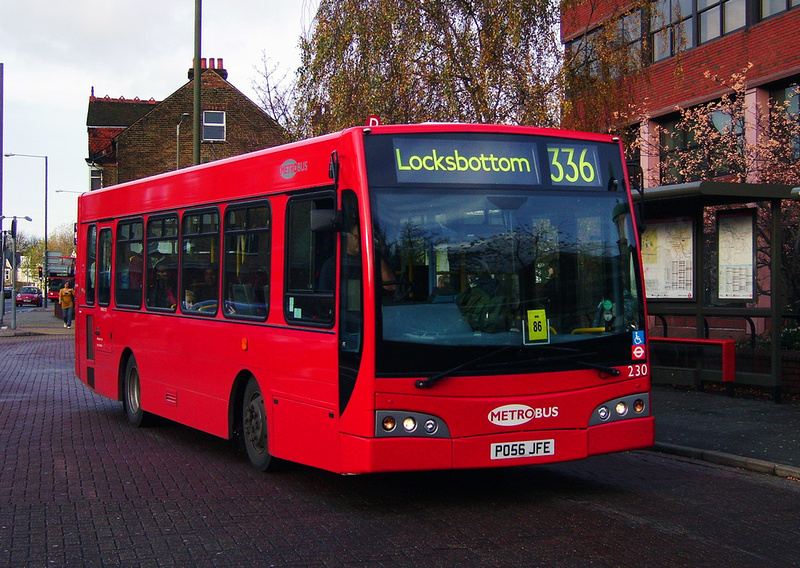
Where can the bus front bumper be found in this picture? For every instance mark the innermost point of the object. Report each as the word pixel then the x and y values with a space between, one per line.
pixel 532 447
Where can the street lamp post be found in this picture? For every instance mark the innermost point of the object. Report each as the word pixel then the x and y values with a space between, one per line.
pixel 178 141
pixel 3 271
pixel 44 261
pixel 13 265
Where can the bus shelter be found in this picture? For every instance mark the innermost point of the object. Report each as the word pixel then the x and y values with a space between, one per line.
pixel 712 256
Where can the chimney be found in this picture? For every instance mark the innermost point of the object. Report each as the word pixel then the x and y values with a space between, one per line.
pixel 218 68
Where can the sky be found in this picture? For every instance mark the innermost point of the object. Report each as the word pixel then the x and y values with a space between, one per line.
pixel 53 53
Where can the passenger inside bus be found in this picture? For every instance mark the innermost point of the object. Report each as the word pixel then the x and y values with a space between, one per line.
pixel 208 288
pixel 248 294
pixel 161 294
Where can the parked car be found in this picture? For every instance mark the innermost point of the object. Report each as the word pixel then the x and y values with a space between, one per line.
pixel 7 292
pixel 30 295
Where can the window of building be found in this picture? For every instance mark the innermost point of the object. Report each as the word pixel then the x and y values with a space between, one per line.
pixel 95 178
pixel 671 28
pixel 130 266
pixel 622 49
pixel 583 54
pixel 310 264
pixel 162 263
pixel 247 256
pixel 214 125
pixel 790 98
pixel 718 17
pixel 200 263
pixel 629 39
pixel 772 7
pixel 673 142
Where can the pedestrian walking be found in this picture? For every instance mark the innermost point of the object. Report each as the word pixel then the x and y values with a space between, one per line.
pixel 66 297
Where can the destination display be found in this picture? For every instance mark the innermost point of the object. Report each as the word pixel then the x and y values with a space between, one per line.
pixel 496 162
pixel 574 164
pixel 425 160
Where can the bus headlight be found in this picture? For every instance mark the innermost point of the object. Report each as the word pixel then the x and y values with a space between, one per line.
pixel 415 424
pixel 620 409
pixel 388 423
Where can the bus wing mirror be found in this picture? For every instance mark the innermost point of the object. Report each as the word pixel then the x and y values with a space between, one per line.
pixel 325 220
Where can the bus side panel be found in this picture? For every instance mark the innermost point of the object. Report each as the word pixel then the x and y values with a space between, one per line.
pixel 305 433
pixel 186 367
pixel 621 436
pixel 362 455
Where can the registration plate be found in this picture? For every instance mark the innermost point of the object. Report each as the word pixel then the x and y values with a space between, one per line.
pixel 527 449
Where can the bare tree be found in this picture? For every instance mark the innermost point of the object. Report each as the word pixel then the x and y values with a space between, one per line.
pixel 421 60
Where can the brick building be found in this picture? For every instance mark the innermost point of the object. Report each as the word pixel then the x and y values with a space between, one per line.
pixel 716 255
pixel 132 139
pixel 670 44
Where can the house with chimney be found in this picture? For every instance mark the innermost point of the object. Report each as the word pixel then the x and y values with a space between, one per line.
pixel 130 139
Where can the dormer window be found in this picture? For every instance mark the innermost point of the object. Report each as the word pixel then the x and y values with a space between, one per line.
pixel 214 125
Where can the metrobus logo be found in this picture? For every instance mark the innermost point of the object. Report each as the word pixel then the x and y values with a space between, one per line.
pixel 289 168
pixel 516 414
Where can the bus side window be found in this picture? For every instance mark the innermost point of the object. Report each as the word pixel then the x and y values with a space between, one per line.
pixel 246 260
pixel 161 266
pixel 352 278
pixel 129 268
pixel 310 267
pixel 200 263
pixel 91 264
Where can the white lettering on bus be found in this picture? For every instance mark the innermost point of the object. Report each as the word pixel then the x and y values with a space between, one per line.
pixel 455 162
pixel 289 168
pixel 516 414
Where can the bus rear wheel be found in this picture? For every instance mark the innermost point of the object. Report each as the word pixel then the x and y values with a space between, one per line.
pixel 132 394
pixel 254 426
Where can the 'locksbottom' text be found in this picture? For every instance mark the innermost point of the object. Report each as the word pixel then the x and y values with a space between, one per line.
pixel 455 162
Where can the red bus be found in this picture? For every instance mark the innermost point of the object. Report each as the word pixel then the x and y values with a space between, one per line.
pixel 59 270
pixel 409 297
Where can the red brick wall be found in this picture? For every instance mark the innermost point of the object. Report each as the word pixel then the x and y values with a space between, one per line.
pixel 578 16
pixel 772 46
pixel 149 146
pixel 791 372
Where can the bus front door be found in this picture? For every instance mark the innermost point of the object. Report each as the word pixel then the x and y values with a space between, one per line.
pixel 101 320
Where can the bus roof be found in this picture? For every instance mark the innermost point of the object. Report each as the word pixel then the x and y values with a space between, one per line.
pixel 292 166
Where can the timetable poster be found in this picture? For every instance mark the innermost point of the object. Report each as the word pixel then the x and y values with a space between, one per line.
pixel 668 260
pixel 736 255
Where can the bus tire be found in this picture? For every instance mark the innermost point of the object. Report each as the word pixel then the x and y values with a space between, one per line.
pixel 254 426
pixel 132 394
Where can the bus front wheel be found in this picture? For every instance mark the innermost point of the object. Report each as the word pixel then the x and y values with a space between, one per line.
pixel 254 426
pixel 132 394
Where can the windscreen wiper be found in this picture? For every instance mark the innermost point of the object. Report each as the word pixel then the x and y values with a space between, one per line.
pixel 573 356
pixel 430 381
pixel 612 372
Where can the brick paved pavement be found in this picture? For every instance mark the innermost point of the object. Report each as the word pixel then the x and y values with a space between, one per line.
pixel 80 487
